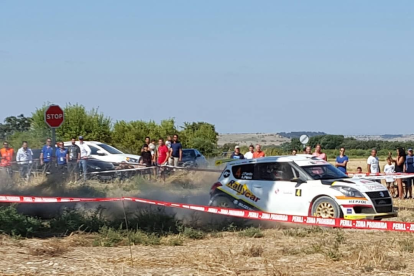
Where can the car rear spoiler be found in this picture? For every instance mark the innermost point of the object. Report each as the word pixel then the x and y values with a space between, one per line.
pixel 222 161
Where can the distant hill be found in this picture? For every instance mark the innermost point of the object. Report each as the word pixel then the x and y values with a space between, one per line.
pixel 276 139
pixel 297 134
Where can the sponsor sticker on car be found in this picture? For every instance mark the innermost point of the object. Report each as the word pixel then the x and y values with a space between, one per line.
pixel 243 190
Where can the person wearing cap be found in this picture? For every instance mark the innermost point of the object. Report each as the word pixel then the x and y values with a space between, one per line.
pixel 409 168
pixel 85 152
pixel 236 154
pixel 259 153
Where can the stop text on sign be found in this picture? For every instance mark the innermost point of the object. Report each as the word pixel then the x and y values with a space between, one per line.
pixel 54 116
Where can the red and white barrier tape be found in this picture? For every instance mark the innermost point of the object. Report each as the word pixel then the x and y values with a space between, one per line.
pixel 305 220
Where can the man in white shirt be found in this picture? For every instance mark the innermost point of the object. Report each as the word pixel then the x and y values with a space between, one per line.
pixel 24 158
pixel 249 154
pixel 373 163
pixel 85 151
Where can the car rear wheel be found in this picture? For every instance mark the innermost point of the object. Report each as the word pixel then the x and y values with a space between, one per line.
pixel 223 202
pixel 326 207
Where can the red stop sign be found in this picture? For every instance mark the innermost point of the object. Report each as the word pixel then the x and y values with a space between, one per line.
pixel 54 116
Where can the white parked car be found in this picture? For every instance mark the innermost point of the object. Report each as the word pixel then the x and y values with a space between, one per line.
pixel 299 185
pixel 108 153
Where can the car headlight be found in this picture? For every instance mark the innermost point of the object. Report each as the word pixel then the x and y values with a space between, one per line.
pixel 348 191
pixel 132 160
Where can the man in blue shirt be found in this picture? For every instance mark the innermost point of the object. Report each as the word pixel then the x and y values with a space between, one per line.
pixel 341 160
pixel 61 158
pixel 46 156
pixel 176 152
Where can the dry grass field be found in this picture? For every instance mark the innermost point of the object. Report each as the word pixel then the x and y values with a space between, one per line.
pixel 270 249
pixel 245 139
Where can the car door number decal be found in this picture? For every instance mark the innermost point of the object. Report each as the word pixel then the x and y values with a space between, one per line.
pixel 298 192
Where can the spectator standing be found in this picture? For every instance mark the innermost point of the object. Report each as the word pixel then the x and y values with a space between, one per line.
pixel 389 168
pixel 85 152
pixel 319 154
pixel 294 152
pixel 258 153
pixel 7 154
pixel 61 158
pixel 24 159
pixel 176 152
pixel 46 156
pixel 373 165
pixel 73 158
pixel 153 148
pixel 308 150
pixel 399 168
pixel 249 154
pixel 341 161
pixel 147 142
pixel 163 153
pixel 146 157
pixel 236 154
pixel 409 168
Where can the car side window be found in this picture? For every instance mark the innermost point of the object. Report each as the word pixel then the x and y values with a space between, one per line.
pixel 245 171
pixel 94 150
pixel 274 171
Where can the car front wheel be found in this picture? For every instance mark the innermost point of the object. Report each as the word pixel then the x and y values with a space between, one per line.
pixel 326 207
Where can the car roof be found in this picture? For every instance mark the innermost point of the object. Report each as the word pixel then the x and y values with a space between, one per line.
pixel 89 142
pixel 300 159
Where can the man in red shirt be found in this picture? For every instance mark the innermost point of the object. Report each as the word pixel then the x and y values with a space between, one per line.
pixel 163 153
pixel 258 153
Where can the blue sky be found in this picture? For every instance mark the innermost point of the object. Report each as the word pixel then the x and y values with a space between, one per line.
pixel 343 67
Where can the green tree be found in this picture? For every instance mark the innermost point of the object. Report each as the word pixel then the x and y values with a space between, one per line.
pixel 200 135
pixel 92 125
pixel 130 136
pixel 13 124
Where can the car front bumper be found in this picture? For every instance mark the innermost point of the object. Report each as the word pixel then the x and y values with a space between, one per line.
pixel 370 216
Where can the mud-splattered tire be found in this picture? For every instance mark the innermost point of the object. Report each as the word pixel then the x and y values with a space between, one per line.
pixel 223 202
pixel 326 207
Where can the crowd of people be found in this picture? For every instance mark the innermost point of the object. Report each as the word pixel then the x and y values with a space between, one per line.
pixel 73 158
pixel 251 154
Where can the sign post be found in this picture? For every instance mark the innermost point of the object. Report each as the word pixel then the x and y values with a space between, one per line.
pixel 304 139
pixel 54 118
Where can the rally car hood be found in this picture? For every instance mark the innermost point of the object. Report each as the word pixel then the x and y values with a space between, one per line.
pixel 363 185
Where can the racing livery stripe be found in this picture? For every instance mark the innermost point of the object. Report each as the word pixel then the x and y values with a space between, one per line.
pixel 240 199
pixel 350 198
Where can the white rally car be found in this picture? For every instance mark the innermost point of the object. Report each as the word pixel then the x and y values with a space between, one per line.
pixel 299 185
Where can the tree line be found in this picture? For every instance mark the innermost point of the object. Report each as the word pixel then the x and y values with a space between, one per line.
pixel 129 136
pixel 95 126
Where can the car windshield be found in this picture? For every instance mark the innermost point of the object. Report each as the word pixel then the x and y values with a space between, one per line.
pixel 110 149
pixel 318 172
pixel 187 154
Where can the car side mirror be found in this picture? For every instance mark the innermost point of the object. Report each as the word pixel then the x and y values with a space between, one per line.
pixel 298 180
pixel 198 155
pixel 101 153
